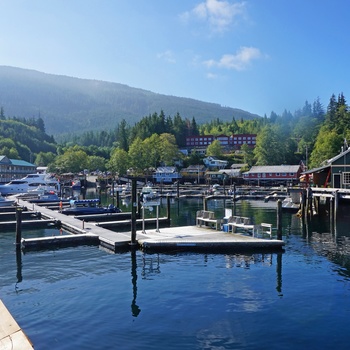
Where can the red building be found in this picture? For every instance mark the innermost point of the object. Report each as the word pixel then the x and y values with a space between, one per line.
pixel 236 141
pixel 274 174
pixel 232 142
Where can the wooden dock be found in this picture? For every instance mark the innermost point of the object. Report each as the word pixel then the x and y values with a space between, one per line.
pixel 151 238
pixel 11 334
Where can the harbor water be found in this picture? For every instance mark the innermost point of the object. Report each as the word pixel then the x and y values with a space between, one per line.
pixel 86 297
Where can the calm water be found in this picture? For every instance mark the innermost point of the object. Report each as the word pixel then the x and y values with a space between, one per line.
pixel 88 298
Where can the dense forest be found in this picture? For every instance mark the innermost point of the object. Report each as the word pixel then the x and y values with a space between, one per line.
pixel 69 104
pixel 312 134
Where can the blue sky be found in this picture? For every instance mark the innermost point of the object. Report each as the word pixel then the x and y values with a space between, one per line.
pixel 257 55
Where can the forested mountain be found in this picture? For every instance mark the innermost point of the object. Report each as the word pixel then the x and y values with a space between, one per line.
pixel 24 138
pixel 74 105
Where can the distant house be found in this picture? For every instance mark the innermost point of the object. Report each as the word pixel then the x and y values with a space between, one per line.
pixel 166 174
pixel 274 174
pixel 335 172
pixel 14 169
pixel 214 162
pixel 193 173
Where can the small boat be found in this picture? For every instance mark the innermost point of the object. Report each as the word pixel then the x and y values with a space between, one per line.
pixel 4 202
pixel 149 196
pixel 88 207
pixel 48 197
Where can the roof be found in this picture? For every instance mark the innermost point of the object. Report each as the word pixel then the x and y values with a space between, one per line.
pixel 166 169
pixel 274 169
pixel 331 160
pixel 327 163
pixel 19 162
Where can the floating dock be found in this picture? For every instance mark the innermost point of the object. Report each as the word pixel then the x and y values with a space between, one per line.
pixel 151 238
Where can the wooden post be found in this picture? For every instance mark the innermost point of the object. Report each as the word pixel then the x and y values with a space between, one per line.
pixel 279 219
pixel 336 202
pixel 168 209
pixel 133 211
pixel 331 218
pixel 309 201
pixel 178 188
pixel 303 203
pixel 205 203
pixel 113 190
pixel 18 227
pixel 118 199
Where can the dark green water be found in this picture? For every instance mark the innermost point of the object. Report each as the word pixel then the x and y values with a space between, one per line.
pixel 87 298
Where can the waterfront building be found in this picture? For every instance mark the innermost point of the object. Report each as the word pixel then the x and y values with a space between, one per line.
pixel 193 173
pixel 166 174
pixel 274 175
pixel 334 173
pixel 14 169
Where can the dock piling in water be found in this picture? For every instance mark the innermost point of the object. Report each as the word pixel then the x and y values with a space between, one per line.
pixel 18 227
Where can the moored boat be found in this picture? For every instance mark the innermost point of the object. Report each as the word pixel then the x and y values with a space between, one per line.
pixel 88 207
pixel 27 183
pixel 4 202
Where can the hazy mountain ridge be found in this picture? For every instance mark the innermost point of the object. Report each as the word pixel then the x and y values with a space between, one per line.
pixel 68 104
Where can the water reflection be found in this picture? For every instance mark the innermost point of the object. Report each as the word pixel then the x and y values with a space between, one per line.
pixel 135 310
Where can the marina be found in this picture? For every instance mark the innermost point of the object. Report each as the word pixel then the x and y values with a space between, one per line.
pixel 190 237
pixel 55 290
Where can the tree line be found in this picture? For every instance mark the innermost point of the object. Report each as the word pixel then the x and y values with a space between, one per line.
pixel 311 134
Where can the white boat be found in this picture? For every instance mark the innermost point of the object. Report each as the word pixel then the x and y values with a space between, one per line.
pixel 4 202
pixel 149 196
pixel 29 182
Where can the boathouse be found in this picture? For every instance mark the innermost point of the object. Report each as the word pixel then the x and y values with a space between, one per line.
pixel 334 173
pixel 193 173
pixel 167 174
pixel 14 169
pixel 274 174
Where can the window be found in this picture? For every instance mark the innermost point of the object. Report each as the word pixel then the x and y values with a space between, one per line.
pixel 346 178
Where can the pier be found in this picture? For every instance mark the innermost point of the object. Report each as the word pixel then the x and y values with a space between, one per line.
pixel 149 238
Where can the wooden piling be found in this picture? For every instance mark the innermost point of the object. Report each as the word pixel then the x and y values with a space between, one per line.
pixel 118 199
pixel 279 219
pixel 205 203
pixel 133 211
pixel 18 227
pixel 168 208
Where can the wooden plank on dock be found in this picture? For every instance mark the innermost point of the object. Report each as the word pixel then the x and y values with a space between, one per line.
pixel 197 238
pixel 11 335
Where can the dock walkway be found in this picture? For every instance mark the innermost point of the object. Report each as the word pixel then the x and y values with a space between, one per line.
pixel 190 237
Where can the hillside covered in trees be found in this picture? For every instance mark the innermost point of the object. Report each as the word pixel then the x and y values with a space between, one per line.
pixel 69 104
pixel 312 134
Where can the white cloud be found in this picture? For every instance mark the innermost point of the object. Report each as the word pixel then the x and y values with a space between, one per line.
pixel 212 76
pixel 238 61
pixel 219 14
pixel 167 56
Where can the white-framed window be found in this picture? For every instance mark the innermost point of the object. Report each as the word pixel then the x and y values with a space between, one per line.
pixel 346 178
